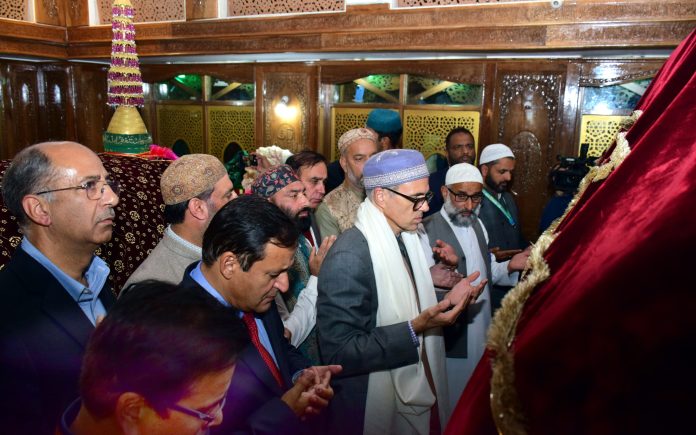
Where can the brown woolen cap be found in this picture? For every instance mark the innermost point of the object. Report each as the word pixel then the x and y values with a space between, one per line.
pixel 189 176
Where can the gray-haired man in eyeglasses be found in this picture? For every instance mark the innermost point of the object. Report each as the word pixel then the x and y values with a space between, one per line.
pixel 458 225
pixel 54 289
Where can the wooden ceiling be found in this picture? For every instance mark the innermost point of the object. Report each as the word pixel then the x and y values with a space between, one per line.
pixel 577 25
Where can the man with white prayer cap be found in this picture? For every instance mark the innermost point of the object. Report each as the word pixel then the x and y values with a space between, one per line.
pixel 377 313
pixel 499 212
pixel 457 224
pixel 498 209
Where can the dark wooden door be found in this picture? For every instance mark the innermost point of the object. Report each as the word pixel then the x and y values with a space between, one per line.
pixel 528 117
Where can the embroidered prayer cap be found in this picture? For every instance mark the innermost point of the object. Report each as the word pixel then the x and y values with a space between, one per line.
pixel 494 152
pixel 393 167
pixel 189 176
pixel 273 180
pixel 463 173
pixel 384 121
pixel 354 135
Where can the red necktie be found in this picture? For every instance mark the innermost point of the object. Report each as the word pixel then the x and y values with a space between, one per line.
pixel 267 358
pixel 308 235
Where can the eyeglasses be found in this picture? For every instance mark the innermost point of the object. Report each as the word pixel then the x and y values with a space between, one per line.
pixel 463 197
pixel 94 188
pixel 208 418
pixel 417 202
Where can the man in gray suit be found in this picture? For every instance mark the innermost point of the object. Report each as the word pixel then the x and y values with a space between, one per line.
pixel 377 314
pixel 458 225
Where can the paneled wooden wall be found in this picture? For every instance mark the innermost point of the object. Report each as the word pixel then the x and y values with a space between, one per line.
pixel 534 106
pixel 51 101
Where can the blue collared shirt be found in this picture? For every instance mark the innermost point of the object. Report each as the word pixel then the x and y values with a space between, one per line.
pixel 197 275
pixel 86 297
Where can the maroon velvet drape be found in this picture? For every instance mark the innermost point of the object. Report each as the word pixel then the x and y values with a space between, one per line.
pixel 605 345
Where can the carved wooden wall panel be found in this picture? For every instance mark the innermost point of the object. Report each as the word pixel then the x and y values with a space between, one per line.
pixel 13 9
pixel 294 129
pixel 607 73
pixel 237 8
pixel 529 108
pixel 201 9
pixel 49 12
pixel 421 3
pixel 181 122
pixel 147 10
pixel 518 25
pixel 78 12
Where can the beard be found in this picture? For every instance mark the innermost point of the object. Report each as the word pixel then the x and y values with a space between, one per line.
pixel 302 223
pixel 354 179
pixel 496 187
pixel 457 217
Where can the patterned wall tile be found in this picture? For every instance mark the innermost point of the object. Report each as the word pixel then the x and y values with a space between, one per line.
pixel 13 9
pixel 599 131
pixel 426 130
pixel 180 122
pixel 236 8
pixel 230 124
pixel 147 10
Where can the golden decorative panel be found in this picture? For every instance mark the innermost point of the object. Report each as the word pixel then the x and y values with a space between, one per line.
pixel 426 130
pixel 13 9
pixel 421 3
pixel 285 110
pixel 599 131
pixel 183 122
pixel 344 119
pixel 230 124
pixel 237 8
pixel 147 10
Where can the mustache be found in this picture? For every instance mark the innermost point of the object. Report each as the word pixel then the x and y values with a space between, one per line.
pixel 110 213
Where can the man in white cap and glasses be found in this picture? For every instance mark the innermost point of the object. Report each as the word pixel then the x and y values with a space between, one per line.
pixel 377 313
pixel 499 212
pixel 457 224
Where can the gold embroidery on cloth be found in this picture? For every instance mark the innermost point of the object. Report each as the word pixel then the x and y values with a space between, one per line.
pixel 506 408
pixel 343 205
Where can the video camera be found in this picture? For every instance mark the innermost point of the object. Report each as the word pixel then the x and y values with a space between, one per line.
pixel 569 171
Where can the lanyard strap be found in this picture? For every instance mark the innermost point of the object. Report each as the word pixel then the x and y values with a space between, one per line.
pixel 500 206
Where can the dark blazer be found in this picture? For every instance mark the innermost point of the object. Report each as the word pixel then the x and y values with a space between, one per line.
pixel 436 180
pixel 253 400
pixel 346 327
pixel 43 333
pixel 335 175
pixel 437 228
pixel 500 233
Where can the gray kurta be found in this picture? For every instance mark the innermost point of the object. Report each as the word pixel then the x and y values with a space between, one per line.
pixel 167 262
